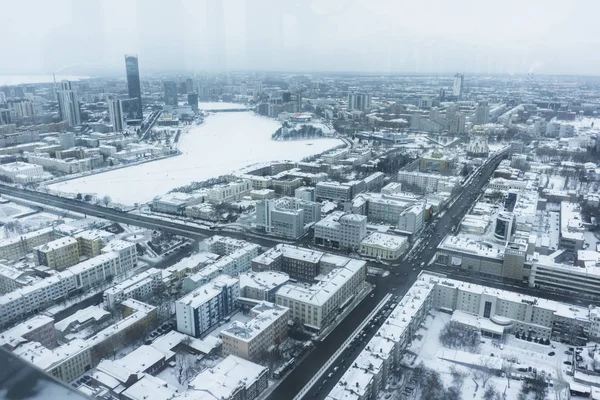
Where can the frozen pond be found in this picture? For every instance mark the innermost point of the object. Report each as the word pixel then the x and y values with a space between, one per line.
pixel 223 143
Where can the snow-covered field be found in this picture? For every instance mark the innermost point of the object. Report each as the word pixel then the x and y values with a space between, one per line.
pixel 223 143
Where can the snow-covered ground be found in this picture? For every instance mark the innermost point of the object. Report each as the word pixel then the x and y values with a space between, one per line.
pixel 428 349
pixel 216 105
pixel 223 143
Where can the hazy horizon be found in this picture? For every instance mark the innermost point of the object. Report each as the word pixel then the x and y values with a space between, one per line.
pixel 335 36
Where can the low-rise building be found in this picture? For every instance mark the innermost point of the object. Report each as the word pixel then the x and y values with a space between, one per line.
pixel 232 379
pixel 229 192
pixel 315 306
pixel 384 246
pixel 36 329
pixel 23 173
pixel 255 339
pixel 81 323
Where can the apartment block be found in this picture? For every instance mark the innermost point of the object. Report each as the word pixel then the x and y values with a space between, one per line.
pixel 341 231
pixel 252 340
pixel 315 306
pixel 207 305
pixel 299 263
pixel 58 254
pixel 139 287
pixel 262 285
pixel 412 219
pixel 126 251
pixel 91 242
pixel 333 191
pixel 18 246
pixel 36 329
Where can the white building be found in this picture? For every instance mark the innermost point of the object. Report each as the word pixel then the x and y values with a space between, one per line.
pixel 21 172
pixel 229 192
pixel 411 219
pixel 383 246
pixel 457 86
pixel 315 306
pixel 428 182
pixel 67 166
pixel 262 285
pixel 340 230
pixel 206 306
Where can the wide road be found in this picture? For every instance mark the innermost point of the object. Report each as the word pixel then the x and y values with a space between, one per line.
pixel 402 277
pixel 173 226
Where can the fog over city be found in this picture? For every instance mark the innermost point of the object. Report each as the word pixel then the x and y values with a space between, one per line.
pixel 90 37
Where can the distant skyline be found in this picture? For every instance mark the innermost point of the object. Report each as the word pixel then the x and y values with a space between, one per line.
pixel 438 37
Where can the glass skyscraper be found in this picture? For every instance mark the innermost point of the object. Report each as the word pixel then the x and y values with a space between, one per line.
pixel 133 83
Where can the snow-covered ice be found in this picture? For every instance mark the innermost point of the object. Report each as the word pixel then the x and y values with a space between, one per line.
pixel 223 143
pixel 217 105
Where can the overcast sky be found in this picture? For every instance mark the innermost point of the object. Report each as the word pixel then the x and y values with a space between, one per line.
pixel 418 36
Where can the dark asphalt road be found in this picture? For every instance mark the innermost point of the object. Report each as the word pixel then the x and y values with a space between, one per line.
pixel 173 226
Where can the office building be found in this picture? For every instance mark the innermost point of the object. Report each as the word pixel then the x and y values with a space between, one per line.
pixel 229 192
pixel 341 231
pixel 482 111
pixel 287 216
pixel 317 305
pixel 117 118
pixel 428 182
pixel 305 193
pixel 571 227
pixel 359 101
pixel 436 162
pixel 170 93
pixel 58 254
pixel 333 191
pixel 457 86
pixel 5 117
pixel 504 226
pixel 68 104
pixel 457 125
pixel 207 305
pixel 255 339
pixel 133 110
pixel 192 99
pixel 411 220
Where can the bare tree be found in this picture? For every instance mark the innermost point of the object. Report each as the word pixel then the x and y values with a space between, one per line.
pixel 458 377
pixel 485 372
pixel 187 368
pixel 106 200
pixel 507 368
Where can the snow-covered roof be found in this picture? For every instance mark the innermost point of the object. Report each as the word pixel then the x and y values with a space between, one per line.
pixel 322 291
pixel 267 314
pixel 14 335
pixel 204 293
pixel 224 379
pixel 150 387
pixel 383 240
pixel 265 280
pixel 95 313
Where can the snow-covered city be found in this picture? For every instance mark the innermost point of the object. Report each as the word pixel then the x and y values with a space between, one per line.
pixel 223 201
